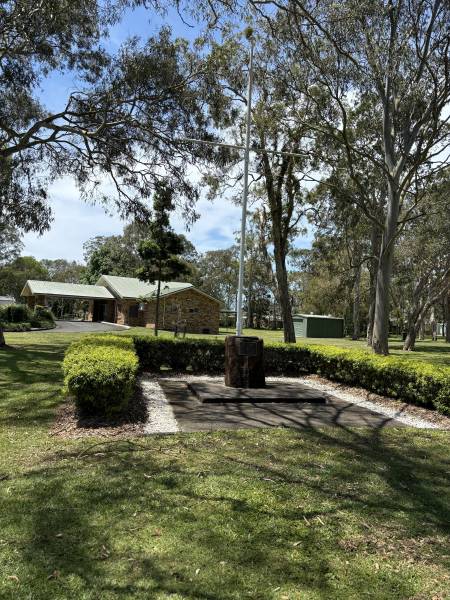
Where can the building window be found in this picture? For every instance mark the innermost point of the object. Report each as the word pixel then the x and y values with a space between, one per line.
pixel 194 310
pixel 133 311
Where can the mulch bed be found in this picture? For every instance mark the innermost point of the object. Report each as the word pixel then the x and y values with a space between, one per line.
pixel 69 423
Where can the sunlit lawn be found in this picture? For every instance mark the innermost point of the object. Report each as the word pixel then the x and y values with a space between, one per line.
pixel 266 514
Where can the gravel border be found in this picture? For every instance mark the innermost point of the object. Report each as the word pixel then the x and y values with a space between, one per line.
pixel 160 414
pixel 162 419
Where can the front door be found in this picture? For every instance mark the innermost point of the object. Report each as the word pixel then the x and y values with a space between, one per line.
pixel 99 310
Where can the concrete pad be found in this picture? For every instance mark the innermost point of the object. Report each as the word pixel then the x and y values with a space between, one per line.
pixel 207 391
pixel 193 415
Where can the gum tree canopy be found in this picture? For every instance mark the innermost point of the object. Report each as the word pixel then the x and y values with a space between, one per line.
pixel 388 60
pixel 119 123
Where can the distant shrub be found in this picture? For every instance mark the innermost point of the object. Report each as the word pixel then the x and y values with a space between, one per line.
pixel 16 313
pixel 41 313
pixel 16 327
pixel 18 317
pixel 100 373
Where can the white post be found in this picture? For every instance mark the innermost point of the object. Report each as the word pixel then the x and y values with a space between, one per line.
pixel 244 196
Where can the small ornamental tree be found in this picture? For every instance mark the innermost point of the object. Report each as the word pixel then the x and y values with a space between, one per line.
pixel 161 251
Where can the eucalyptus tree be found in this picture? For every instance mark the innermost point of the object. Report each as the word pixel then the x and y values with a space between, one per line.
pixel 393 54
pixel 422 263
pixel 218 270
pixel 120 124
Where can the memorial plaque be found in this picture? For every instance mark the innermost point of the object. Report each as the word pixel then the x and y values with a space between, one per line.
pixel 246 346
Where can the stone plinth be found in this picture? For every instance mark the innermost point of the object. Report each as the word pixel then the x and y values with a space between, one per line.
pixel 244 362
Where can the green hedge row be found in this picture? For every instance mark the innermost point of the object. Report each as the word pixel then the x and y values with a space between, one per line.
pixel 100 373
pixel 411 381
pixel 197 355
pixel 100 370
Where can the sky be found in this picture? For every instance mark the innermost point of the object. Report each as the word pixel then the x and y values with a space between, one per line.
pixel 75 221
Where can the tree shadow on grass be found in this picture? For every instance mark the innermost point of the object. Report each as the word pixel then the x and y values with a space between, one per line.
pixel 234 514
pixel 30 383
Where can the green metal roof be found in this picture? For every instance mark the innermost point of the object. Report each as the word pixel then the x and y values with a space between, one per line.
pixel 55 288
pixel 313 316
pixel 130 287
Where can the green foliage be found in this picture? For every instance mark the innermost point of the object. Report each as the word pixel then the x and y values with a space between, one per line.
pixel 16 273
pixel 60 269
pixel 100 373
pixel 18 317
pixel 16 327
pixel 410 381
pixel 197 355
pixel 162 249
pixel 43 313
pixel 15 313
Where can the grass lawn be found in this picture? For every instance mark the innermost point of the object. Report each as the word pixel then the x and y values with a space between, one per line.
pixel 264 514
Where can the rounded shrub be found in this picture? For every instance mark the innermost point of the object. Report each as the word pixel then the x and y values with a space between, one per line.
pixel 100 373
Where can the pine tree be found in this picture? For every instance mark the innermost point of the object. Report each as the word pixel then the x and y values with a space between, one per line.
pixel 161 251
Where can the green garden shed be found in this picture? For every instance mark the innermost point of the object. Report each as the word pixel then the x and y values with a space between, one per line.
pixel 318 326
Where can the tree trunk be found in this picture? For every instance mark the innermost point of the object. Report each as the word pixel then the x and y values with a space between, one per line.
pixel 447 319
pixel 380 340
pixel 410 341
pixel 158 292
pixel 373 268
pixel 2 338
pixel 416 324
pixel 356 304
pixel 433 325
pixel 283 293
pixel 422 330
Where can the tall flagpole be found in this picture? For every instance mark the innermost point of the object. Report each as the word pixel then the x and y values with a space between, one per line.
pixel 244 195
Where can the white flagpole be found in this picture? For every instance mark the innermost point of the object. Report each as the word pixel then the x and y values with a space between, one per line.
pixel 244 196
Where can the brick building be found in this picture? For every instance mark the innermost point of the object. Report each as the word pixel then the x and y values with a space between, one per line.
pixel 129 301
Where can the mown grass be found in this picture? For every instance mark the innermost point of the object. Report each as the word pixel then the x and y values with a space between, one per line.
pixel 268 514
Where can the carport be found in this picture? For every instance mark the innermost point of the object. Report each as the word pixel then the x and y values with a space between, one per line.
pixel 101 304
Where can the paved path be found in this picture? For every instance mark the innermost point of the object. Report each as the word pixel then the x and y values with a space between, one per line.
pixel 192 415
pixel 84 327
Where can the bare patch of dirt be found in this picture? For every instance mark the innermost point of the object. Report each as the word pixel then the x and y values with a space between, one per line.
pixel 69 423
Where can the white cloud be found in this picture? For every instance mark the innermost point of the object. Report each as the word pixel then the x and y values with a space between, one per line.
pixel 75 222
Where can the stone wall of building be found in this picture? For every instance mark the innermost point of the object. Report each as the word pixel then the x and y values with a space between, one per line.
pixel 199 312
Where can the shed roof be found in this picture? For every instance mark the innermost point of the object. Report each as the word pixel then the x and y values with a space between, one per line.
pixel 306 316
pixel 55 288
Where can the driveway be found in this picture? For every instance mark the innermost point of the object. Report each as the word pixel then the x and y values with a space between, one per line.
pixel 84 327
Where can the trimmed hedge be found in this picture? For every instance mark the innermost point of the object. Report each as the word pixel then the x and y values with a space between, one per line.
pixel 199 356
pixel 411 381
pixel 100 370
pixel 100 373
